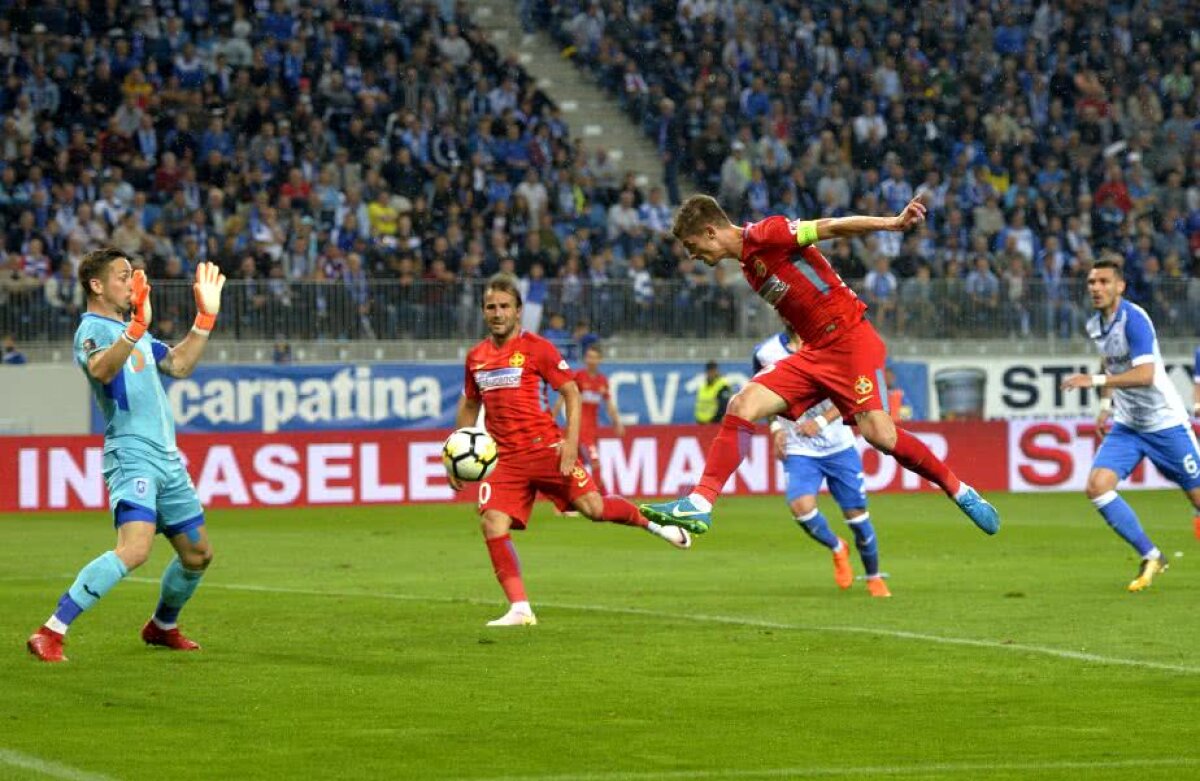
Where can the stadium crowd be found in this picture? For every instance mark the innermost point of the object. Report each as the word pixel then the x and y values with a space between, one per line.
pixel 356 143
pixel 387 150
pixel 1045 134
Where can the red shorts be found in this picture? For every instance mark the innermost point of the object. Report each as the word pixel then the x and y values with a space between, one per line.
pixel 518 478
pixel 848 371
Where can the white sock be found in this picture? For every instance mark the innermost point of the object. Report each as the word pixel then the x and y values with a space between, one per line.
pixel 962 490
pixel 653 528
pixel 1153 553
pixel 54 625
pixel 161 625
pixel 522 607
pixel 702 504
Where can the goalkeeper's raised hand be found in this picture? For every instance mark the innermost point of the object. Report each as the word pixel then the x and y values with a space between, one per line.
pixel 139 306
pixel 209 282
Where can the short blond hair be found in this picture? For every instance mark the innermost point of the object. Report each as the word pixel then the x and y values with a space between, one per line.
pixel 696 213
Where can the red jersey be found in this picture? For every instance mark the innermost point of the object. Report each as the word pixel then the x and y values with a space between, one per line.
pixel 593 390
pixel 798 281
pixel 508 381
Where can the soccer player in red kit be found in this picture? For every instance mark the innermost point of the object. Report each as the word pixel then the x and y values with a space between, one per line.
pixel 842 359
pixel 504 373
pixel 593 391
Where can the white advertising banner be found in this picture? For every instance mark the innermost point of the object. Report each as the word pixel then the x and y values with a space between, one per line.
pixel 1029 386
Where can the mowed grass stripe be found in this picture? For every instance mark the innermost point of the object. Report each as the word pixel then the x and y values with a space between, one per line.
pixel 1059 653
pixel 969 769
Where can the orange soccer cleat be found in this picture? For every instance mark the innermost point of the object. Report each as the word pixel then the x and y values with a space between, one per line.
pixel 878 587
pixel 843 573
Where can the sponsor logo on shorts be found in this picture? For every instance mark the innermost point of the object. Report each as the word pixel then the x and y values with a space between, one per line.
pixel 141 486
pixel 517 359
pixel 580 476
pixel 863 386
pixel 498 378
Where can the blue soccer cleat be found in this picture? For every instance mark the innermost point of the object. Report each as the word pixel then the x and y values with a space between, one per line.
pixel 680 512
pixel 981 513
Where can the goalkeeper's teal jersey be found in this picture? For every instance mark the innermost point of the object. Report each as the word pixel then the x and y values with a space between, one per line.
pixel 135 406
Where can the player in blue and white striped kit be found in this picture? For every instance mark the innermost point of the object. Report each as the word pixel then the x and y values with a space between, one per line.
pixel 1149 417
pixel 149 489
pixel 820 447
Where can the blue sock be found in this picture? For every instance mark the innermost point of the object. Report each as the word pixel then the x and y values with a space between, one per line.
pixel 178 585
pixel 815 525
pixel 94 581
pixel 1124 521
pixel 864 540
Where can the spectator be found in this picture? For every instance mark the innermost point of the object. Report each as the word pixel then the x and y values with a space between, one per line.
pixel 11 356
pixel 880 291
pixel 712 397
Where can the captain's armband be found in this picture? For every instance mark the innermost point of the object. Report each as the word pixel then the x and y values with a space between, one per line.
pixel 806 232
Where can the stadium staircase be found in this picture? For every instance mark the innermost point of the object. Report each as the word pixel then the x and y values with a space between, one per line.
pixel 592 114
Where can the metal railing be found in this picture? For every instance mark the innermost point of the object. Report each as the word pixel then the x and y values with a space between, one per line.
pixel 423 310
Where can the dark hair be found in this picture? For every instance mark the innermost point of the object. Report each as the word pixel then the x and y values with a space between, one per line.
pixel 95 266
pixel 594 348
pixel 504 283
pixel 697 212
pixel 1116 266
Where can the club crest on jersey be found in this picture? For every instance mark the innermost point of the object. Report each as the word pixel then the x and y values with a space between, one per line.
pixel 863 385
pixel 137 360
pixel 760 268
pixel 517 359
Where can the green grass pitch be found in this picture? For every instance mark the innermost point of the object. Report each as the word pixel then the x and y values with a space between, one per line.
pixel 349 643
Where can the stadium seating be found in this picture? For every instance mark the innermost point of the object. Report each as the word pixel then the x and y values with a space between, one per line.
pixel 356 168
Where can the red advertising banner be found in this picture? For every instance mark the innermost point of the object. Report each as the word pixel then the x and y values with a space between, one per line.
pixel 381 467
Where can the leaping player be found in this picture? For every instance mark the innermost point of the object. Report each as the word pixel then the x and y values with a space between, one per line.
pixel 842 359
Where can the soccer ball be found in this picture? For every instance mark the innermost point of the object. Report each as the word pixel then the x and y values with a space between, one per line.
pixel 470 454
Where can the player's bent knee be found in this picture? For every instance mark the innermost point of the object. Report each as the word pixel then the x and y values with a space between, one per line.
pixel 133 555
pixel 878 429
pixel 494 524
pixel 197 559
pixel 803 506
pixel 591 505
pixel 1100 482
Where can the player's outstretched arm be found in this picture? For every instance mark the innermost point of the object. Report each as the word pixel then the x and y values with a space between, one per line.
pixel 182 359
pixel 844 227
pixel 104 366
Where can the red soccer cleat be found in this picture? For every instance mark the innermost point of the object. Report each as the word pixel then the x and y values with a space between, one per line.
pixel 46 645
pixel 153 634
